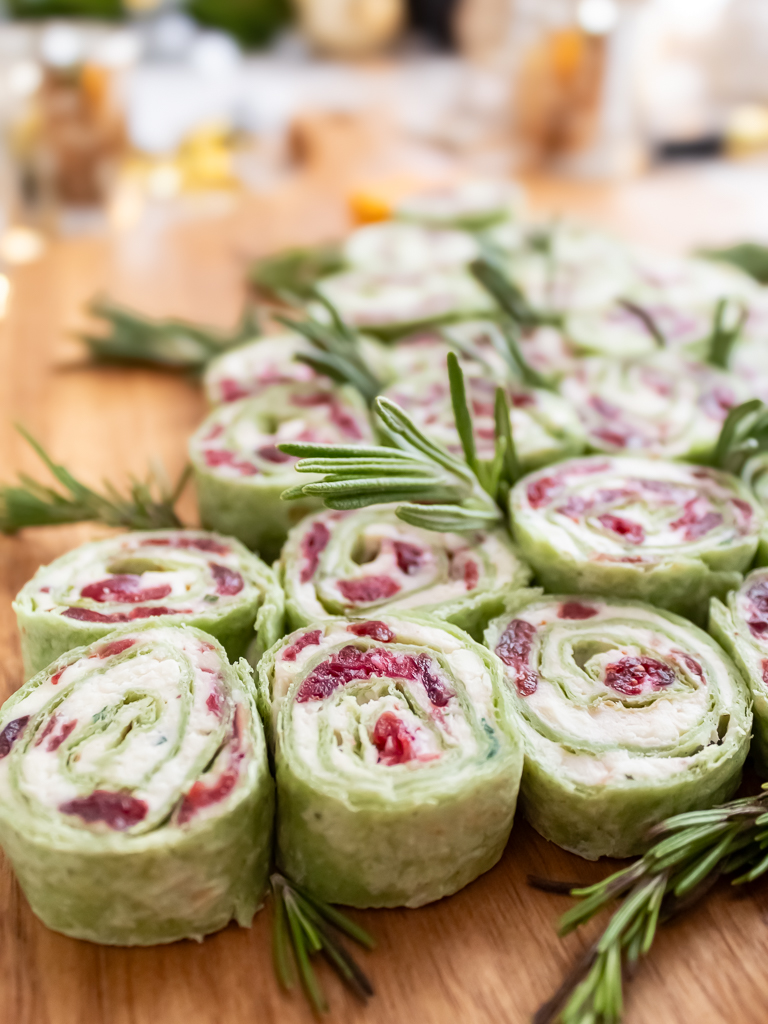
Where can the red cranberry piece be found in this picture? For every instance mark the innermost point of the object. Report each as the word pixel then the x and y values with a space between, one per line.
pixel 314 543
pixel 215 702
pixel 764 667
pixel 151 613
pixel 232 390
pixel 115 647
pixel 89 615
pixel 522 401
pixel 367 589
pixel 540 491
pixel 631 676
pixel 471 574
pixel 632 532
pixel 200 795
pixel 305 640
pixel 56 677
pixel 11 733
pixel 228 582
pixel 757 596
pixel 124 589
pixel 351 663
pixel 118 810
pixel 575 610
pixel 409 556
pixel 201 543
pixel 695 521
pixel 378 631
pixel 514 649
pixel 55 741
pixel 346 422
pixel 392 739
pixel 272 453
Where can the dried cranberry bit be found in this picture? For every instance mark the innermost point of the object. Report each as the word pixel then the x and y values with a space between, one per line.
pixel 306 640
pixel 471 574
pixel 272 453
pixel 409 557
pixel 149 613
pixel 50 725
pixel 115 647
pixel 540 491
pixel 228 582
pixel 118 810
pixel 764 666
pixel 378 631
pixel 11 733
pixel 696 521
pixel 56 677
pixel 757 596
pixel 124 589
pixel 215 702
pixel 216 457
pixel 313 545
pixel 55 741
pixel 350 663
pixel 200 795
pixel 367 589
pixel 575 610
pixel 392 739
pixel 633 676
pixel 514 649
pixel 632 532
pixel 345 422
pixel 231 390
pixel 201 543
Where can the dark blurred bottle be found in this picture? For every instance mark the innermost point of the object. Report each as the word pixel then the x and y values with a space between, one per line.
pixel 65 8
pixel 434 18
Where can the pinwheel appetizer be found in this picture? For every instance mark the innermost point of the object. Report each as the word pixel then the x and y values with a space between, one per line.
pixel 179 576
pixel 740 625
pixel 628 715
pixel 397 771
pixel 369 562
pixel 239 470
pixel 136 802
pixel 663 532
pixel 468 204
pixel 392 247
pixel 661 405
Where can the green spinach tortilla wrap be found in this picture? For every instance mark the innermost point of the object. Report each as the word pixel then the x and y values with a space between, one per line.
pixel 740 625
pixel 368 562
pixel 136 803
pixel 392 247
pixel 545 426
pixel 397 770
pixel 179 576
pixel 663 532
pixel 239 470
pixel 661 405
pixel 628 715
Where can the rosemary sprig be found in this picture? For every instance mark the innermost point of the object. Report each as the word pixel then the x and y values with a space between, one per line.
pixel 149 504
pixel 727 322
pixel 291 275
pixel 691 851
pixel 304 926
pixel 176 344
pixel 337 350
pixel 647 319
pixel 744 434
pixel 747 256
pixel 517 314
pixel 437 491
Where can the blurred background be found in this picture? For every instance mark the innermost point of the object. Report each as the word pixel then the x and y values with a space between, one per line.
pixel 111 110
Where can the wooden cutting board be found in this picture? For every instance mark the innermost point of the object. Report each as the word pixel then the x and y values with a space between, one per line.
pixel 489 954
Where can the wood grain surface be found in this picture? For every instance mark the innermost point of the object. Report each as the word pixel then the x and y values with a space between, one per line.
pixel 489 954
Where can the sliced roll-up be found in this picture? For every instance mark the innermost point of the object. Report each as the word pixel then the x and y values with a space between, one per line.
pixel 661 405
pixel 740 625
pixel 249 369
pixel 178 576
pixel 663 532
pixel 475 343
pixel 397 770
pixel 390 304
pixel 239 470
pixel 369 562
pixel 468 204
pixel 628 715
pixel 627 330
pixel 392 247
pixel 544 425
pixel 136 802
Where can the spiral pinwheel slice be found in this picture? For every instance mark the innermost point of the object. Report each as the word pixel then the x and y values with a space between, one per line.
pixel 628 715
pixel 740 625
pixel 468 204
pixel 136 802
pixel 474 342
pixel 390 304
pixel 663 532
pixel 368 561
pixel 397 770
pixel 178 576
pixel 391 247
pixel 544 425
pixel 625 330
pixel 661 405
pixel 240 471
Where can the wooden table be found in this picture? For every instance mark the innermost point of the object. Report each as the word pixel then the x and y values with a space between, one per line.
pixel 489 954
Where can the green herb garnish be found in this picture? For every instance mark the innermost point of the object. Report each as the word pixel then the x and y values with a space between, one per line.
pixel 290 276
pixel 149 504
pixel 744 434
pixel 691 851
pixel 747 256
pixel 727 322
pixel 303 927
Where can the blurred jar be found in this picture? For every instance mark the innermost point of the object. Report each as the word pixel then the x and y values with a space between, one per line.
pixel 351 28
